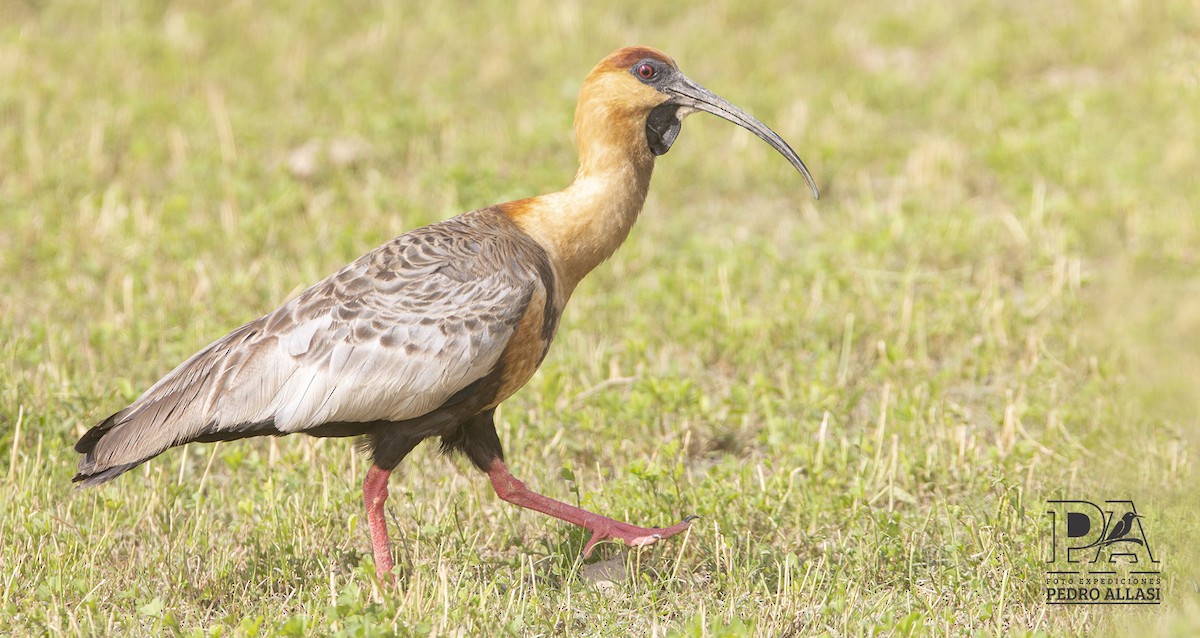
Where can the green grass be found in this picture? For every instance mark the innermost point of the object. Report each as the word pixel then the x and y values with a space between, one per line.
pixel 868 398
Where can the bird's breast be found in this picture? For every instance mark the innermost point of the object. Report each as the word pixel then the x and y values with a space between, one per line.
pixel 528 346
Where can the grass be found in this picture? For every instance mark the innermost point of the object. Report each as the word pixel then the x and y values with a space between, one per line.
pixel 868 399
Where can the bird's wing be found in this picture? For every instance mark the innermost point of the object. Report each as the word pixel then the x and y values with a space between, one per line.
pixel 390 337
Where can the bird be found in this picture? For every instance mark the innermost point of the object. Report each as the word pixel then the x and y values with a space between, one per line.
pixel 1123 527
pixel 427 334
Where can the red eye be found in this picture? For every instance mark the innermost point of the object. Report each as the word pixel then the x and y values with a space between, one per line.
pixel 645 71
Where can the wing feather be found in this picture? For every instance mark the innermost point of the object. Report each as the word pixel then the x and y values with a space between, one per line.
pixel 390 337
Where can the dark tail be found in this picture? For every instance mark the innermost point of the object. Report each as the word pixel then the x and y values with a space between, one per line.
pixel 89 474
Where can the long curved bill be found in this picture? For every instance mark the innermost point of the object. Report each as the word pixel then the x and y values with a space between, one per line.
pixel 688 94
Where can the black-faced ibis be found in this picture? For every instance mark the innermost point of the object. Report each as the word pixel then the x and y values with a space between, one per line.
pixel 427 334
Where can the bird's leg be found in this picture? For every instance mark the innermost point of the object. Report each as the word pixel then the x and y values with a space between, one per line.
pixel 514 491
pixel 375 492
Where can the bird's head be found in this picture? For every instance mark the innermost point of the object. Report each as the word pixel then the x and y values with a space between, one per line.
pixel 635 100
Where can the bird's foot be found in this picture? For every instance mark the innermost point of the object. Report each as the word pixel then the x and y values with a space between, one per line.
pixel 603 528
pixel 631 535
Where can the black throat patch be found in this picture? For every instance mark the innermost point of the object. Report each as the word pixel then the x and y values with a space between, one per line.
pixel 662 127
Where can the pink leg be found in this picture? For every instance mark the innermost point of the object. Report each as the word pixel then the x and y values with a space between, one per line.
pixel 514 491
pixel 375 492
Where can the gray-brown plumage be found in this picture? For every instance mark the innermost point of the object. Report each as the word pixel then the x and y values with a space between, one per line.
pixel 427 334
pixel 396 336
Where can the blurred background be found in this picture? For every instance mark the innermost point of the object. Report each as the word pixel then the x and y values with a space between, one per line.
pixel 994 302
